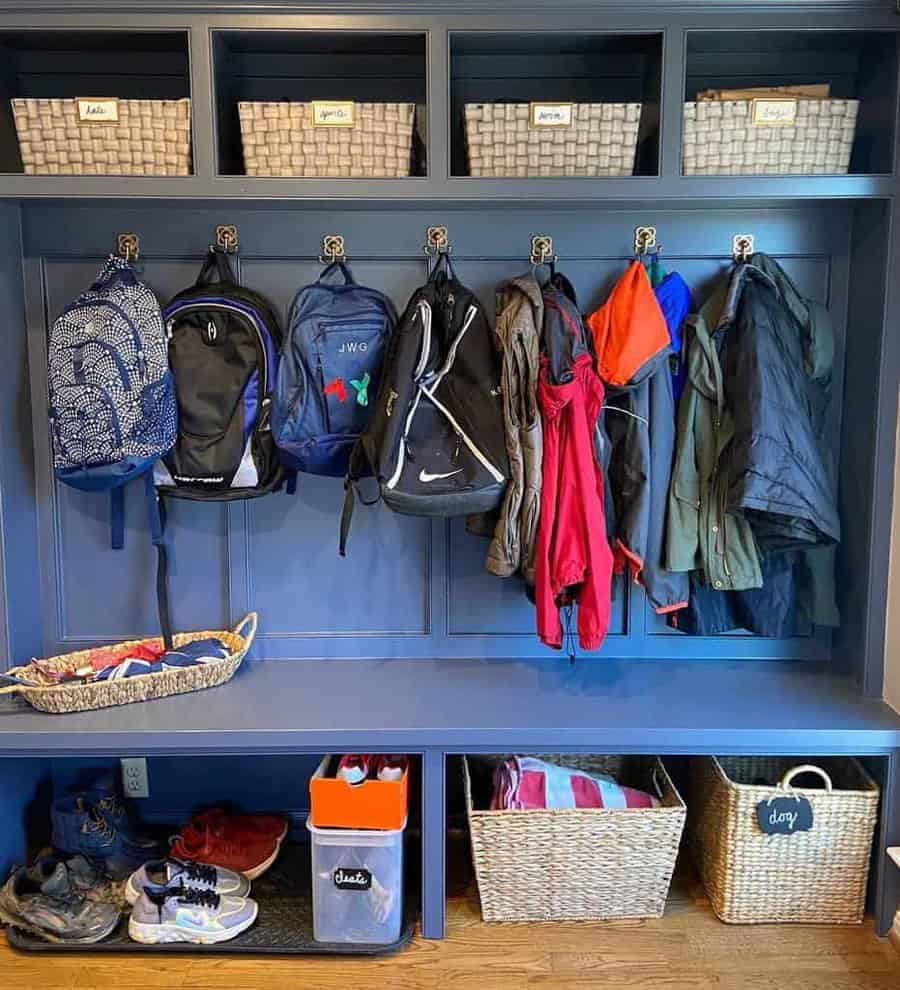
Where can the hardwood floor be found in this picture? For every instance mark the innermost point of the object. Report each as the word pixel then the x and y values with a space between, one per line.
pixel 688 948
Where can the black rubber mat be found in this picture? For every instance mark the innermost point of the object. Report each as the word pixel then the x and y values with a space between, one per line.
pixel 284 925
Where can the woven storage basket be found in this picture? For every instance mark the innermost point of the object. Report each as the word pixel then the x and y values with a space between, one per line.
pixel 279 139
pixel 151 137
pixel 720 138
pixel 817 877
pixel 59 699
pixel 576 863
pixel 601 141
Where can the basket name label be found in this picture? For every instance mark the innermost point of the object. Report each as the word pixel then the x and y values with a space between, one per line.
pixel 351 879
pixel 92 111
pixel 550 114
pixel 773 113
pixel 784 815
pixel 333 113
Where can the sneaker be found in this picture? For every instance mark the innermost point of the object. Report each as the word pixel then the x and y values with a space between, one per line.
pixel 42 900
pixel 185 914
pixel 390 767
pixel 353 768
pixel 247 827
pixel 100 833
pixel 252 858
pixel 197 876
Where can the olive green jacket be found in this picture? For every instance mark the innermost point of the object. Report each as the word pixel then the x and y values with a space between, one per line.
pixel 701 534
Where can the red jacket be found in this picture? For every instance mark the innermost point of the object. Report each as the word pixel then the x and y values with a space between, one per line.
pixel 574 562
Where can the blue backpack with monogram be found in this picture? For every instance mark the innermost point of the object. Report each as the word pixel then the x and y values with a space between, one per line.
pixel 330 371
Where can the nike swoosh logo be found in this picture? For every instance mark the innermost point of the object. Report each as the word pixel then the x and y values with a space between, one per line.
pixel 425 477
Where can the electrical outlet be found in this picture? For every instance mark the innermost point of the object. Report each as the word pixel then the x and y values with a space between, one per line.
pixel 135 782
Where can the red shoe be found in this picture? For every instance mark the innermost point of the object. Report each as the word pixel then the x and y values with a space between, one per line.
pixel 204 846
pixel 241 827
pixel 390 767
pixel 353 768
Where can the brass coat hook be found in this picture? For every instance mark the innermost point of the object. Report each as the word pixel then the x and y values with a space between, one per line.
pixel 332 249
pixel 227 238
pixel 645 241
pixel 437 241
pixel 542 250
pixel 743 246
pixel 128 246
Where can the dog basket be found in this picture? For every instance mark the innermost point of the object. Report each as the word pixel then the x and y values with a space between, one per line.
pixel 595 139
pixel 817 876
pixel 59 699
pixel 127 137
pixel 566 864
pixel 721 138
pixel 285 139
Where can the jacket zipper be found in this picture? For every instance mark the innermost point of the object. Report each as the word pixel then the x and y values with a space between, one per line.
pixel 245 317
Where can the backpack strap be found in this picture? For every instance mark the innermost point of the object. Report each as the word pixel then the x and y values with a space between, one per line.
pixel 358 462
pixel 156 514
pixel 216 268
pixel 343 268
pixel 117 517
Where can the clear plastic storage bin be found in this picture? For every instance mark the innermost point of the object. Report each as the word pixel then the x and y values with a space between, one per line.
pixel 357 885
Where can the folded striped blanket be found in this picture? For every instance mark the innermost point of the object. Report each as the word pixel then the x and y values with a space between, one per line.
pixel 523 782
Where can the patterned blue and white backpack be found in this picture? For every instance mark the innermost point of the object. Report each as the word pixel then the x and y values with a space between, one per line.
pixel 112 400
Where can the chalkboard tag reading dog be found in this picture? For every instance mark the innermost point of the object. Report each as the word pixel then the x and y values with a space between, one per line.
pixel 788 812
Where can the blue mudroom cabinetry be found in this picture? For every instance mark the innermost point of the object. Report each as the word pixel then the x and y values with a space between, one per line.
pixel 408 645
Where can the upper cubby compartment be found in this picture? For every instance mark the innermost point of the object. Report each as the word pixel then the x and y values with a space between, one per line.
pixel 790 102
pixel 89 102
pixel 320 104
pixel 552 103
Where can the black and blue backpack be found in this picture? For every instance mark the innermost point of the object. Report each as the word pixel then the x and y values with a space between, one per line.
pixel 330 371
pixel 223 342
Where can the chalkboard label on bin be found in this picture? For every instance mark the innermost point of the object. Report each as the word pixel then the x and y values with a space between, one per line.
pixel 352 879
pixel 784 815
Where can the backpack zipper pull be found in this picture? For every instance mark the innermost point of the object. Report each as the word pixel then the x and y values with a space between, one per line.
pixel 455 458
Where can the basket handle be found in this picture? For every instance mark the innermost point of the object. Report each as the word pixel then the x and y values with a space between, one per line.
pixel 785 782
pixel 246 628
pixel 13 689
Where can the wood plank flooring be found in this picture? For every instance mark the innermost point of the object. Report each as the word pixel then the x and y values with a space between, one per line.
pixel 688 949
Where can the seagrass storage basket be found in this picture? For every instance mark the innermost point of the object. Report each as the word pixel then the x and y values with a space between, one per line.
pixel 283 139
pixel 817 876
pixel 60 699
pixel 721 138
pixel 568 864
pixel 600 140
pixel 127 137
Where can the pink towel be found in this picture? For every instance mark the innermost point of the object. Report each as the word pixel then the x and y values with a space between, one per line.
pixel 524 782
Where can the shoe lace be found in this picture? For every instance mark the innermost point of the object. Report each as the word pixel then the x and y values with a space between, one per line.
pixel 98 824
pixel 204 898
pixel 201 872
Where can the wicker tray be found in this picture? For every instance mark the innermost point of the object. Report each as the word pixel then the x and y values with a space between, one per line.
pixel 601 140
pixel 815 877
pixel 720 138
pixel 280 139
pixel 60 699
pixel 150 137
pixel 579 863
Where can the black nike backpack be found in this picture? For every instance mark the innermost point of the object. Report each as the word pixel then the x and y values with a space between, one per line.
pixel 224 342
pixel 435 441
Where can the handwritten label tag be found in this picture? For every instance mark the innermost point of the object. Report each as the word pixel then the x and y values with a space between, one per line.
pixel 784 815
pixel 550 114
pixel 350 879
pixel 333 113
pixel 773 113
pixel 98 111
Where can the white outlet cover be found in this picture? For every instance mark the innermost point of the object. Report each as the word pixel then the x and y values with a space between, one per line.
pixel 135 781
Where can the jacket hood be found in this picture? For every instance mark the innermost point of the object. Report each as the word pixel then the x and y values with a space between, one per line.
pixel 629 329
pixel 526 284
